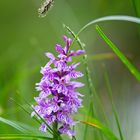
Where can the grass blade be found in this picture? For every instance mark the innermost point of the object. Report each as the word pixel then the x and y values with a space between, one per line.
pixel 29 113
pixel 13 124
pixel 112 18
pixel 120 55
pixel 108 18
pixel 91 87
pixel 108 84
pixel 21 136
pixel 103 19
pixel 49 128
pixel 87 70
pixel 105 130
pixel 23 128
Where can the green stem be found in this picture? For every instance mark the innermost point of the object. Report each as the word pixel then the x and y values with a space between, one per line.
pixel 112 103
pixel 107 18
pixel 30 106
pixel 92 89
pixel 85 59
pixel 74 138
pixel 56 135
pixel 120 55
pixel 55 125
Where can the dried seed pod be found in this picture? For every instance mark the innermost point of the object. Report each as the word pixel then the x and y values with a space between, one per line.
pixel 45 7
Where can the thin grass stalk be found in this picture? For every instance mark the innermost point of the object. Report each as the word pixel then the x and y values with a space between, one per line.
pixel 19 105
pixel 22 136
pixel 105 130
pixel 88 77
pixel 29 114
pixel 14 125
pixel 85 59
pixel 53 131
pixel 86 127
pixel 93 91
pixel 107 18
pixel 25 110
pixel 108 84
pixel 48 127
pixel 120 55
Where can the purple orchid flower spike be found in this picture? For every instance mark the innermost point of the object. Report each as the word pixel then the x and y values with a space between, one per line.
pixel 58 99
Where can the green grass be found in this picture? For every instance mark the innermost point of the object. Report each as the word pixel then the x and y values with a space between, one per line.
pixel 22 136
pixel 24 40
pixel 120 55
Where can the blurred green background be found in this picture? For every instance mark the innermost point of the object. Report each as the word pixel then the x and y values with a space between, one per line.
pixel 24 39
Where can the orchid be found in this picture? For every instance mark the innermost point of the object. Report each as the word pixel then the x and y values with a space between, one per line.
pixel 58 99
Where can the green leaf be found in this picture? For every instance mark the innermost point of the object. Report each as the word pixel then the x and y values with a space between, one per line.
pixel 97 124
pixel 110 93
pixel 13 124
pixel 91 121
pixel 120 55
pixel 104 129
pixel 24 128
pixel 132 69
pixel 112 18
pixel 108 18
pixel 21 136
pixel 30 106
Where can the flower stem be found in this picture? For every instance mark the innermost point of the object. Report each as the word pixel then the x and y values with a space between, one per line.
pixel 56 135
pixel 92 90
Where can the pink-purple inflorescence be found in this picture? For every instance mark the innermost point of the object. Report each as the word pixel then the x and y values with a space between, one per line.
pixel 58 99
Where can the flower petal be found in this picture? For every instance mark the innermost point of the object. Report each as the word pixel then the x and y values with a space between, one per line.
pixel 75 74
pixel 59 49
pixel 50 55
pixel 76 53
pixel 43 127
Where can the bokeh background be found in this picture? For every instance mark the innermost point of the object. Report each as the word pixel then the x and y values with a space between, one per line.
pixel 24 39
